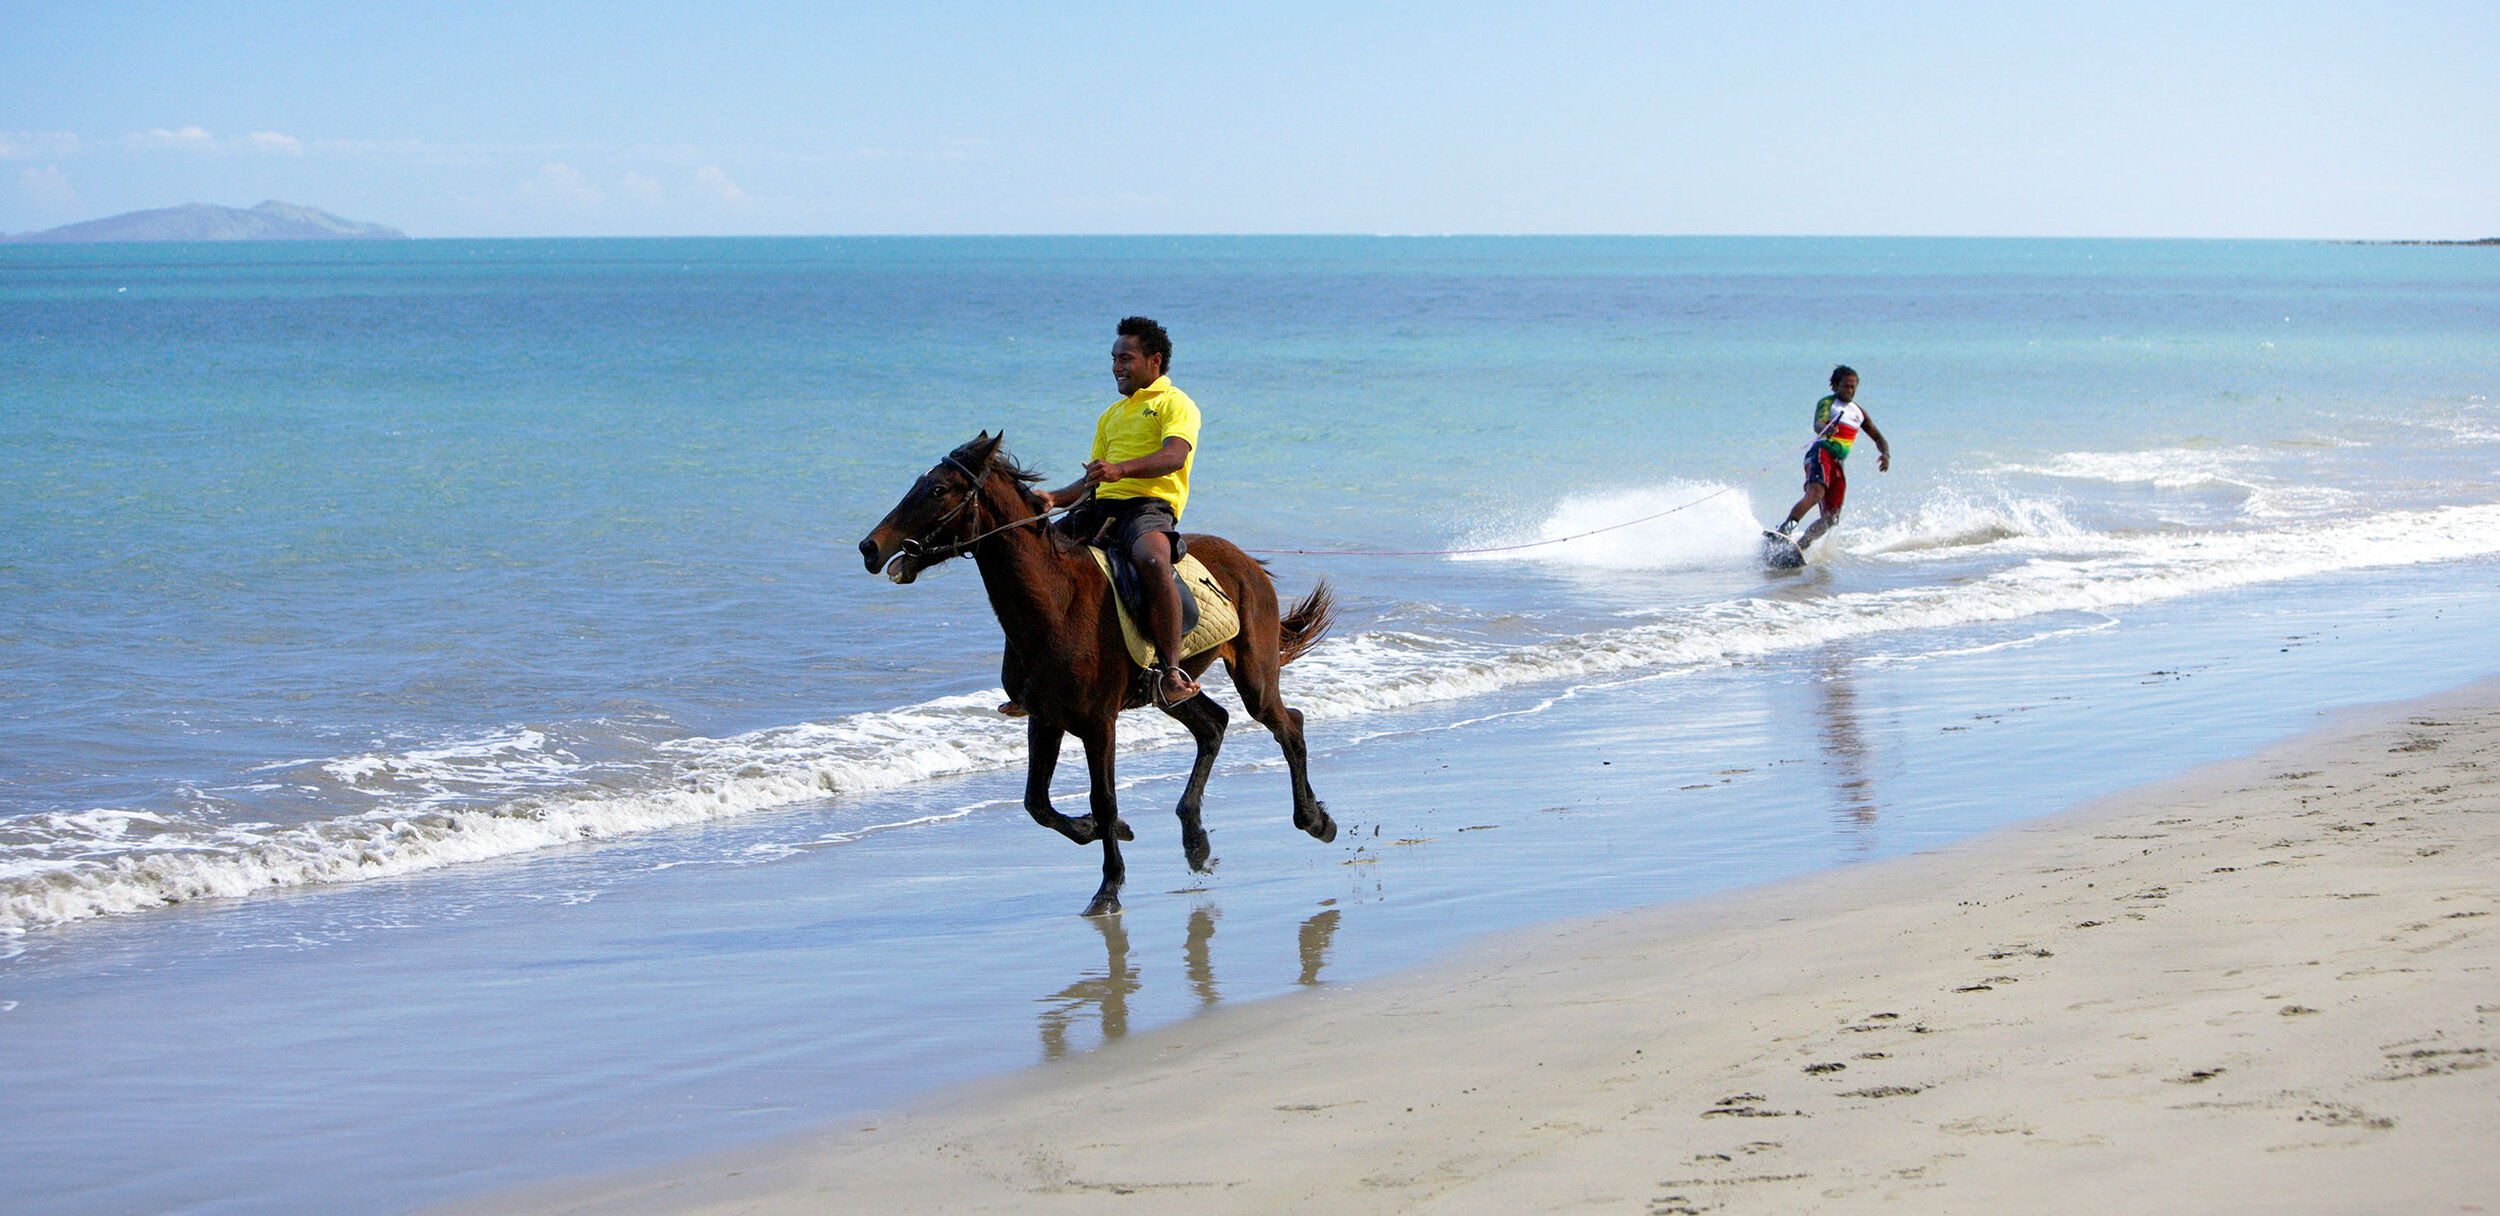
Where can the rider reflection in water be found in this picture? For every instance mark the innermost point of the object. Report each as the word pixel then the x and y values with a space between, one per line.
pixel 1138 478
pixel 1317 932
pixel 1200 961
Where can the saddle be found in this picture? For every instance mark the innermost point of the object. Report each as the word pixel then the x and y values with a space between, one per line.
pixel 1208 618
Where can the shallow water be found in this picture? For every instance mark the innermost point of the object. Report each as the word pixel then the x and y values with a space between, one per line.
pixel 467 634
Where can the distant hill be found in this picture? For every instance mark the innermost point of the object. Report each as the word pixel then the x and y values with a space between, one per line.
pixel 271 221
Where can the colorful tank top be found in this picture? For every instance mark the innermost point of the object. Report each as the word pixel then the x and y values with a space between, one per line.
pixel 1842 435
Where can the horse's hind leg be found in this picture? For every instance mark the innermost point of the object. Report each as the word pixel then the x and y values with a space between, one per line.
pixel 1205 720
pixel 1266 703
pixel 1309 813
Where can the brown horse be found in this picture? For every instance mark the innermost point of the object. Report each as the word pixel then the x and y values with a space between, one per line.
pixel 1063 628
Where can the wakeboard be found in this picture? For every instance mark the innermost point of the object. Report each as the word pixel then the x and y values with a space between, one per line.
pixel 1779 552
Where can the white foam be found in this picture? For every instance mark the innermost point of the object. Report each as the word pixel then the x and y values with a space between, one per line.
pixel 1956 519
pixel 70 867
pixel 2274 483
pixel 2084 573
pixel 1684 526
pixel 2163 468
pixel 430 813
pixel 518 758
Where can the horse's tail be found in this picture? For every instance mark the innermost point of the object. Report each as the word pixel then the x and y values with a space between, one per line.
pixel 1303 627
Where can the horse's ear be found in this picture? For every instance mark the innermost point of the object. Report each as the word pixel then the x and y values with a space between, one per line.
pixel 986 443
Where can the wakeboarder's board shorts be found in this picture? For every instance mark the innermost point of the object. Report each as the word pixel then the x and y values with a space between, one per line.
pixel 1822 470
pixel 1116 523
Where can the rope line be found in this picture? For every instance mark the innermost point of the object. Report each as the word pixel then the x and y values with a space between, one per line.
pixel 1750 478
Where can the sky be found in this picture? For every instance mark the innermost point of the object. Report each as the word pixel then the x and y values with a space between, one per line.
pixel 2177 119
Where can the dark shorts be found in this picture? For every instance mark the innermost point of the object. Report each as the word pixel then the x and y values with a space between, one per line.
pixel 1822 470
pixel 1116 523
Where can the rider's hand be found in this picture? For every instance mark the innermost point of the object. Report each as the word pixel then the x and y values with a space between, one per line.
pixel 1883 462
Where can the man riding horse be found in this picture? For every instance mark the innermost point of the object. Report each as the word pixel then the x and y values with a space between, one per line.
pixel 1144 446
pixel 1068 662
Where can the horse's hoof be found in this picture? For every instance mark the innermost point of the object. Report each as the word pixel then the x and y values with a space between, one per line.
pixel 1104 905
pixel 1081 829
pixel 1317 823
pixel 1194 847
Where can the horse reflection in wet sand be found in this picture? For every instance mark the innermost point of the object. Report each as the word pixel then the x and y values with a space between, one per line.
pixel 1107 992
pixel 1062 622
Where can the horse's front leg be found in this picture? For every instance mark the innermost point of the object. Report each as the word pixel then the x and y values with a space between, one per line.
pixel 1205 720
pixel 1042 759
pixel 1108 828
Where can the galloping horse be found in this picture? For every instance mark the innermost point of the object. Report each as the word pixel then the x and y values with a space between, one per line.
pixel 1062 622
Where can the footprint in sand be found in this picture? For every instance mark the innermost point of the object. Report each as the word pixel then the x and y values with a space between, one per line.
pixel 2433 1062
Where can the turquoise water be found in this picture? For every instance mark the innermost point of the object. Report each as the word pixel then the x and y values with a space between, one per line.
pixel 448 738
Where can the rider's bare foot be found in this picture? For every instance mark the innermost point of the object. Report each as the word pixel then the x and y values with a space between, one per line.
pixel 1176 686
pixel 1011 709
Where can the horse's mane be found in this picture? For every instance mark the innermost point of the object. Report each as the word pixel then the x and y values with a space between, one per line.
pixel 1001 461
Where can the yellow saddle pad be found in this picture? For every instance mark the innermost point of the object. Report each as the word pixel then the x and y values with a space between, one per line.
pixel 1218 620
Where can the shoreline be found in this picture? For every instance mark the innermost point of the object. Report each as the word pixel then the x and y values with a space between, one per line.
pixel 2267 985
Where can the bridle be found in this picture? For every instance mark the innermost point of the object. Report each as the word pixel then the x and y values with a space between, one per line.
pixel 930 555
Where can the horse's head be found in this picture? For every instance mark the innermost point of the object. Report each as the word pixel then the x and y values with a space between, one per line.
pixel 936 516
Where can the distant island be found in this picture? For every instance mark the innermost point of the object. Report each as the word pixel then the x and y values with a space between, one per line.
pixel 271 221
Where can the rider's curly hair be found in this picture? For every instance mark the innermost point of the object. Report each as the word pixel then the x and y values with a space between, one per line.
pixel 1837 372
pixel 1150 338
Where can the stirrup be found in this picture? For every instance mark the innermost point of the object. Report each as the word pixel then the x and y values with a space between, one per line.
pixel 1164 671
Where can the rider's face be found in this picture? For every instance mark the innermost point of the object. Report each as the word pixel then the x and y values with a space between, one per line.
pixel 1846 388
pixel 1131 367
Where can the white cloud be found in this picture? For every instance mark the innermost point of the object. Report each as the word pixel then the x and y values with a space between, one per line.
pixel 717 184
pixel 188 139
pixel 641 188
pixel 199 141
pixel 47 190
pixel 37 145
pixel 561 185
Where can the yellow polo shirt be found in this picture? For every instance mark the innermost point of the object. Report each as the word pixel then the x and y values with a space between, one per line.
pixel 1136 426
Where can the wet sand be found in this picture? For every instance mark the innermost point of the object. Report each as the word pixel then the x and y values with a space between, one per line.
pixel 2267 986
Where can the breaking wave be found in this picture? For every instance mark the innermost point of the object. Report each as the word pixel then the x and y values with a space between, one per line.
pixel 526 789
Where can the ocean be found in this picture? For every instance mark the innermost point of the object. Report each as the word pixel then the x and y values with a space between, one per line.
pixel 448 740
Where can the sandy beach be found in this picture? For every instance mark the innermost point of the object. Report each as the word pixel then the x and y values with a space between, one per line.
pixel 2267 985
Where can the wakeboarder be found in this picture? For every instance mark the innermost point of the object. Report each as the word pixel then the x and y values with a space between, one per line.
pixel 1837 420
